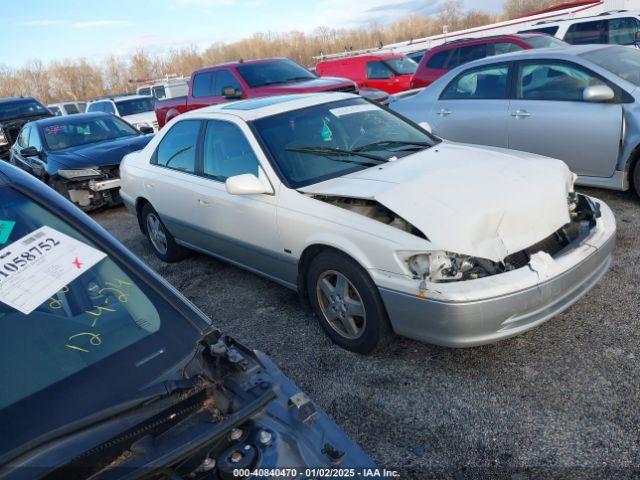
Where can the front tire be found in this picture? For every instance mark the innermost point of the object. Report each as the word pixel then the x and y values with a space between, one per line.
pixel 635 177
pixel 161 240
pixel 346 302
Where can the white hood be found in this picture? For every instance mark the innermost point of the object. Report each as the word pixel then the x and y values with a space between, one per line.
pixel 144 117
pixel 482 202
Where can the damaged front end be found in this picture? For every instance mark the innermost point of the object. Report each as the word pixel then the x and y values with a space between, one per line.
pixel 441 266
pixel 89 188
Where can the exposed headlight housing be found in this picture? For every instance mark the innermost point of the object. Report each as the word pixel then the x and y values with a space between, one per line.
pixel 139 125
pixel 76 174
pixel 443 266
pixel 3 138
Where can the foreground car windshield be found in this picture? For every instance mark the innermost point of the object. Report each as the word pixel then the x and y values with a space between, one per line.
pixel 138 105
pixel 271 73
pixel 333 139
pixel 101 336
pixel 621 61
pixel 21 108
pixel 402 66
pixel 75 133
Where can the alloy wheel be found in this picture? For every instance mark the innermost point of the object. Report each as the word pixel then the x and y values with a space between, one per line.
pixel 341 304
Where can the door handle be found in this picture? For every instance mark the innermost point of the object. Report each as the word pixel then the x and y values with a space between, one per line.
pixel 444 112
pixel 520 113
pixel 203 202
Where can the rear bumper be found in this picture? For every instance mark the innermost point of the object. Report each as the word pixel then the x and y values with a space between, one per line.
pixel 459 323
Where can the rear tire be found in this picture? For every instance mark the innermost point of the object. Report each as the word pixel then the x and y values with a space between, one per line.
pixel 346 302
pixel 163 243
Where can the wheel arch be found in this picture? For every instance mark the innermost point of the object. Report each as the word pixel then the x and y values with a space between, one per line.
pixel 139 205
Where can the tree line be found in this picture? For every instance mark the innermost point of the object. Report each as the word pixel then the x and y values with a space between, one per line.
pixel 80 79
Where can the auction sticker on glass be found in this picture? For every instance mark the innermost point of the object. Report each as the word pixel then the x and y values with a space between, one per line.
pixel 41 263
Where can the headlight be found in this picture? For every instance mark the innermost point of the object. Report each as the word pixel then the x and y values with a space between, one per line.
pixel 3 138
pixel 138 126
pixel 80 173
pixel 444 266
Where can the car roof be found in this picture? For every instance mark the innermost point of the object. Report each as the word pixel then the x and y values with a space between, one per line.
pixel 366 56
pixel 13 99
pixel 69 118
pixel 241 62
pixel 266 106
pixel 489 39
pixel 601 16
pixel 564 52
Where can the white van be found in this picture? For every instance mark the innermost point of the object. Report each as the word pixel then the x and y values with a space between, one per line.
pixel 617 27
pixel 170 88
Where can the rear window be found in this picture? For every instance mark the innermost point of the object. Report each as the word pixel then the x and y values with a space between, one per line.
pixel 547 30
pixel 587 32
pixel 439 60
pixel 71 108
pixel 137 105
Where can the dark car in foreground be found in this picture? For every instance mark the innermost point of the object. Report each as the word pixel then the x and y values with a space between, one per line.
pixel 14 113
pixel 108 372
pixel 79 155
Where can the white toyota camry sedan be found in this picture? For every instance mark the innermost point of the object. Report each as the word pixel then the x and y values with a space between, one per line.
pixel 381 226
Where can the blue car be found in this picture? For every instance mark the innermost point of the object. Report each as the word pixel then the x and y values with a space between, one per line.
pixel 115 375
pixel 79 156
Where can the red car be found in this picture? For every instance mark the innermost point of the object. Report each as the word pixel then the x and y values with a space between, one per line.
pixel 439 60
pixel 247 79
pixel 389 72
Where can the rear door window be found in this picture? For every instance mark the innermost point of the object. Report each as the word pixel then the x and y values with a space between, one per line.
pixel 203 84
pixel 471 53
pixel 177 150
pixel 503 47
pixel 587 32
pixel 489 82
pixel 440 60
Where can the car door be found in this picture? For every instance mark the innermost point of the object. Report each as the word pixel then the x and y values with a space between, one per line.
pixel 379 76
pixel 239 228
pixel 169 184
pixel 473 107
pixel 548 116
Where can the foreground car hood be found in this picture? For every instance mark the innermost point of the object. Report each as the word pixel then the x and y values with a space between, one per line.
pixel 482 202
pixel 98 154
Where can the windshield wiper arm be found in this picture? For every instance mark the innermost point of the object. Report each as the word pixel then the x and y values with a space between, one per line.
pixel 386 143
pixel 329 151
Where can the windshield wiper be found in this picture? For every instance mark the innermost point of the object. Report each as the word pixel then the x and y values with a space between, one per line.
pixel 337 152
pixel 389 143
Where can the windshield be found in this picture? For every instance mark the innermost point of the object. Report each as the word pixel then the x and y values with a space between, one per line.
pixel 545 41
pixel 621 61
pixel 333 139
pixel 159 92
pixel 73 133
pixel 271 73
pixel 402 65
pixel 137 105
pixel 93 340
pixel 21 108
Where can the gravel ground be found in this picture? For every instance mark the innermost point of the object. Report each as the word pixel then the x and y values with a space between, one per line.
pixel 560 401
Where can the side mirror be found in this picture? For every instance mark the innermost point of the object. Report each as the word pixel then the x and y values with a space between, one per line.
pixel 425 126
pixel 230 92
pixel 598 93
pixel 146 129
pixel 29 152
pixel 245 184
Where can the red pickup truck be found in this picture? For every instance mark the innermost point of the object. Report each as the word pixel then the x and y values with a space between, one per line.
pixel 247 79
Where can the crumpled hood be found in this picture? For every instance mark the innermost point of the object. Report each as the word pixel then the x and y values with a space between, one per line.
pixel 482 202
pixel 98 154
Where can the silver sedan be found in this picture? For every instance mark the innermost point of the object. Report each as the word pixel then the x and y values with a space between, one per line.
pixel 579 104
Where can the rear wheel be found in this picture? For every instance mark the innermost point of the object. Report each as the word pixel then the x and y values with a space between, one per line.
pixel 162 242
pixel 346 302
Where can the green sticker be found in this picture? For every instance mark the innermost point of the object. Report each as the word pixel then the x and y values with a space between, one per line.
pixel 6 226
pixel 327 134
